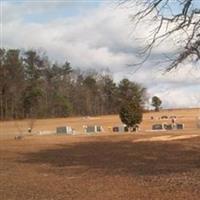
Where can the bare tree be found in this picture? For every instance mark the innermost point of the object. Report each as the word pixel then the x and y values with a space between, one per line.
pixel 178 19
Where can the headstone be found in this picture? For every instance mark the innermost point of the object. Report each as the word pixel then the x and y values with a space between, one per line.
pixel 168 126
pixel 98 128
pixel 64 130
pixel 93 129
pixel 46 132
pixel 125 129
pixel 18 137
pixel 179 126
pixel 120 129
pixel 134 129
pixel 90 129
pixel 115 129
pixel 157 127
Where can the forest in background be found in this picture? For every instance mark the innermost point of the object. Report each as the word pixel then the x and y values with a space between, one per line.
pixel 31 86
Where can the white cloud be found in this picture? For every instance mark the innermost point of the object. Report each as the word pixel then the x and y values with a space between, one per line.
pixel 101 38
pixel 180 97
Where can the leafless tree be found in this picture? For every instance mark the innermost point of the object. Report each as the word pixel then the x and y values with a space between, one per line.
pixel 178 19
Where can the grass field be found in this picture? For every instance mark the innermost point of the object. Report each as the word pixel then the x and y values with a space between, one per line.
pixel 10 128
pixel 140 166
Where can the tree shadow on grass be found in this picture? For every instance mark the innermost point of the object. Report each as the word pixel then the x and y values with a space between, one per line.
pixel 125 158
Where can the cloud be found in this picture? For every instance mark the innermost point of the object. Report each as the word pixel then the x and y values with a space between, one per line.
pixel 97 41
pixel 179 97
pixel 100 37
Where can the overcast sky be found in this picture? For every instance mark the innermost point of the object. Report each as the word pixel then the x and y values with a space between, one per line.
pixel 97 34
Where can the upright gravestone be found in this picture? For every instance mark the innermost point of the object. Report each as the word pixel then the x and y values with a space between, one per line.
pixel 64 130
pixel 120 129
pixel 179 126
pixel 157 127
pixel 90 129
pixel 93 129
pixel 168 126
pixel 115 129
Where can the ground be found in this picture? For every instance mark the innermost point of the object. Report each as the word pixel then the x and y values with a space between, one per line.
pixel 139 166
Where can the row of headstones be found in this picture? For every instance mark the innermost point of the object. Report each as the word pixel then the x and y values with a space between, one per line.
pixel 176 126
pixel 120 129
pixel 90 129
pixel 70 131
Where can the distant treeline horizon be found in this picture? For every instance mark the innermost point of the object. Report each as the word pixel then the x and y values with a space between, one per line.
pixel 33 87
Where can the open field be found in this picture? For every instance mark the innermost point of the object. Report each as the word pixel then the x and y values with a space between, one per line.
pixel 10 128
pixel 145 165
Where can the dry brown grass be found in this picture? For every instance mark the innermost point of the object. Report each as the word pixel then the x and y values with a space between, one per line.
pixel 10 128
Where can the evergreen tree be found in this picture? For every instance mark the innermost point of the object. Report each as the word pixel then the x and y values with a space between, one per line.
pixel 156 102
pixel 132 99
pixel 131 114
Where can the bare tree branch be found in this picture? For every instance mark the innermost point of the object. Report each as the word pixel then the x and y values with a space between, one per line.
pixel 178 19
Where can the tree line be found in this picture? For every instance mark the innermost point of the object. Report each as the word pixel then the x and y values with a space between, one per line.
pixel 31 86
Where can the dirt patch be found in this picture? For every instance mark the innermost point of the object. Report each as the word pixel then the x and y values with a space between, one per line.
pixel 106 167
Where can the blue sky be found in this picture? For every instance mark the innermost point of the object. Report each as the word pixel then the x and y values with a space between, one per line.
pixel 54 9
pixel 65 9
pixel 98 35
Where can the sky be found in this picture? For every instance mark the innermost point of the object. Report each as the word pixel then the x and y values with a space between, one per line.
pixel 95 34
